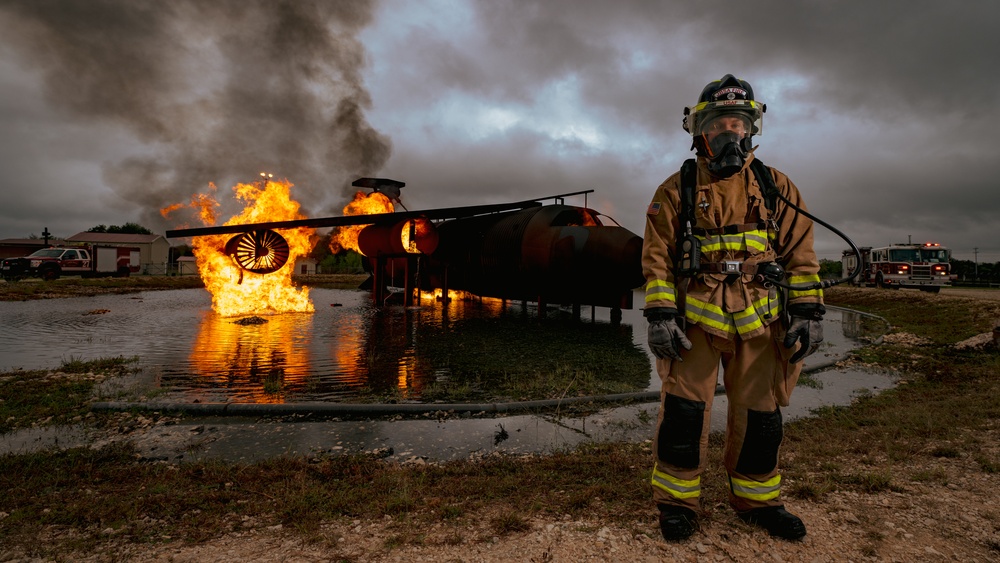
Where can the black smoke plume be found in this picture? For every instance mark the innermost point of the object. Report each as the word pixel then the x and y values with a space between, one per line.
pixel 213 91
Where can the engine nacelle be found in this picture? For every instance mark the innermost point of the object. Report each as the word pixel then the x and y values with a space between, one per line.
pixel 415 236
pixel 261 252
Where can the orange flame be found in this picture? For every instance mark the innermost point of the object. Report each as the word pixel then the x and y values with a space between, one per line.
pixel 346 238
pixel 234 290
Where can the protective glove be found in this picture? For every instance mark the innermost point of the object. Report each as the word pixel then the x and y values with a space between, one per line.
pixel 806 328
pixel 664 335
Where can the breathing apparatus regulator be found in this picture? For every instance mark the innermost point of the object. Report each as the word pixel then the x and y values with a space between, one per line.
pixel 722 125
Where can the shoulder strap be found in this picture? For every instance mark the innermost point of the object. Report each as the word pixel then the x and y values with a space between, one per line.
pixel 689 180
pixel 767 186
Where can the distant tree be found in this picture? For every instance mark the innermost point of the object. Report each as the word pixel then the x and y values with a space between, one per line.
pixel 830 269
pixel 964 269
pixel 126 229
pixel 346 262
pixel 130 229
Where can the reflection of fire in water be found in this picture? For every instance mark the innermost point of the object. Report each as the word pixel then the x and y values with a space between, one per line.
pixel 265 361
pixel 458 300
pixel 236 291
pixel 346 238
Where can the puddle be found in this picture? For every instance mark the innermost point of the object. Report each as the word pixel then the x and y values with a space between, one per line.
pixel 198 356
pixel 346 350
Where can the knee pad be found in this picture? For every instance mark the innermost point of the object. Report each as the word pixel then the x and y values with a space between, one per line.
pixel 679 436
pixel 759 454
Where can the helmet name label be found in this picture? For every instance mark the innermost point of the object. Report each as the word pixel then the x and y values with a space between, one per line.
pixel 730 93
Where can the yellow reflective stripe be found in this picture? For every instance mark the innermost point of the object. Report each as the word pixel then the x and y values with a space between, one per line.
pixel 660 290
pixel 750 319
pixel 743 322
pixel 756 490
pixel 700 312
pixel 756 240
pixel 678 488
pixel 702 105
pixel 810 278
pixel 750 240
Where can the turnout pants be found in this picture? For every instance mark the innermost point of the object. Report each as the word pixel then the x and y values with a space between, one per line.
pixel 758 380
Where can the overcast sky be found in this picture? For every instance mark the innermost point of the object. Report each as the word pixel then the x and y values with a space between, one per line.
pixel 884 114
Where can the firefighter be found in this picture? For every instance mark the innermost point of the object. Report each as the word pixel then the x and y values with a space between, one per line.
pixel 707 301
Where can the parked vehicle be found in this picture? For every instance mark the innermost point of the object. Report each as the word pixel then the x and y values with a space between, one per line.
pixel 924 266
pixel 86 261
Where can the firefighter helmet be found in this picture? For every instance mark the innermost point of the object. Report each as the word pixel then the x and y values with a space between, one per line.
pixel 728 96
pixel 723 122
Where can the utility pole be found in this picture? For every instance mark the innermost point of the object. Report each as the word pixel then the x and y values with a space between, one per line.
pixel 975 252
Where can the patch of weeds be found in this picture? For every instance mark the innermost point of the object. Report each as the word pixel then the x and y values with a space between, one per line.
pixel 869 550
pixel 875 482
pixel 946 452
pixel 400 503
pixel 43 398
pixel 811 488
pixel 578 501
pixel 453 538
pixel 394 541
pixel 274 382
pixel 936 475
pixel 645 417
pixel 808 380
pixel 509 522
pixel 452 512
pixel 986 464
pixel 829 466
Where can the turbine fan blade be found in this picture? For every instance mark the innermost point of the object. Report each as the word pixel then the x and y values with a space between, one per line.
pixel 261 252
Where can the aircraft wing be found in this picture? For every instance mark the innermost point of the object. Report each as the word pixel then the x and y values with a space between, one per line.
pixel 373 219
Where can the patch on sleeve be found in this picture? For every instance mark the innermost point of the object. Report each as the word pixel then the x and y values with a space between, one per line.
pixel 654 208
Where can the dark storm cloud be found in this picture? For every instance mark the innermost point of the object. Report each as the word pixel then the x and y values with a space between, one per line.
pixel 881 112
pixel 214 91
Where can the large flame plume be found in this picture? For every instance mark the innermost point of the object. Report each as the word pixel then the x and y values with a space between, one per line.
pixel 346 238
pixel 236 291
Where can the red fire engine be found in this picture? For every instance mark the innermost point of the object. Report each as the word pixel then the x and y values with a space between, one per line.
pixel 922 266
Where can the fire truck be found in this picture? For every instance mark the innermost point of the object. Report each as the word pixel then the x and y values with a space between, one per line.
pixel 926 266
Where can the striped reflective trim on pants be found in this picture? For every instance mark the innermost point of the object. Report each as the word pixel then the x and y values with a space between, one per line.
pixel 678 488
pixel 660 290
pixel 756 490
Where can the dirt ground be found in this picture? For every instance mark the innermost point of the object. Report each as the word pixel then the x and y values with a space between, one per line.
pixel 917 521
pixel 919 524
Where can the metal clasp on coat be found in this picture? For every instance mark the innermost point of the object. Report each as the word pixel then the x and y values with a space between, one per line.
pixel 731 266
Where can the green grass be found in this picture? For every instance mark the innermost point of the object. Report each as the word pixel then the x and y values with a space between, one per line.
pixel 42 397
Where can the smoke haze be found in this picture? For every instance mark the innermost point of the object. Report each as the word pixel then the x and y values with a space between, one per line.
pixel 212 91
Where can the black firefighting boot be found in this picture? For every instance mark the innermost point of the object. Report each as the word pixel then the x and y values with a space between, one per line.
pixel 677 522
pixel 776 520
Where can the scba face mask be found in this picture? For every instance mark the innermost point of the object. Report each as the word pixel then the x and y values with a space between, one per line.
pixel 727 154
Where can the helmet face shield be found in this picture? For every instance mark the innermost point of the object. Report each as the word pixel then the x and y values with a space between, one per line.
pixel 700 118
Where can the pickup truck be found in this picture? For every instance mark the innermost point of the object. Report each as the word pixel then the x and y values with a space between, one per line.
pixel 85 261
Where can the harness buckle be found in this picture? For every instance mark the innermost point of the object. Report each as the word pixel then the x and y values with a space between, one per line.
pixel 731 266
